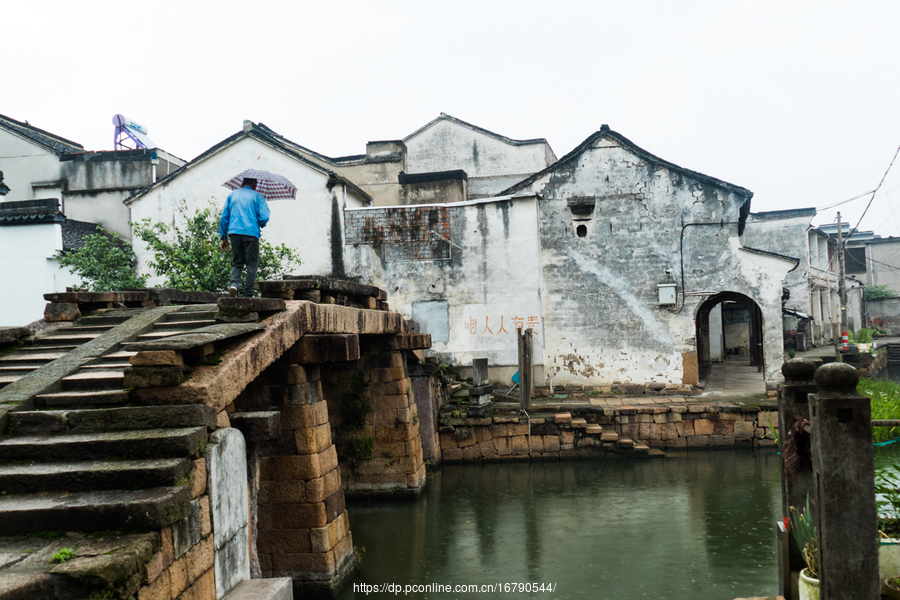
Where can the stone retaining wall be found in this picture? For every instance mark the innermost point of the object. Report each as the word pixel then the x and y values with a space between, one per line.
pixel 625 430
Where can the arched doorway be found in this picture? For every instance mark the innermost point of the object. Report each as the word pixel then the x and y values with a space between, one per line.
pixel 730 338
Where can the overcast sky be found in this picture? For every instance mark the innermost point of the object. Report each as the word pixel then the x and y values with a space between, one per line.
pixel 797 101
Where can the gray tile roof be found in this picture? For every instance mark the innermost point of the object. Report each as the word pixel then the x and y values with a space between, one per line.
pixel 74 232
pixel 28 212
pixel 54 143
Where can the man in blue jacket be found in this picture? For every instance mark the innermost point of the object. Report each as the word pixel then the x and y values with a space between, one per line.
pixel 245 213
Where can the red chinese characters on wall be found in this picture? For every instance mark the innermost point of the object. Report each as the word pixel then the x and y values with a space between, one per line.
pixel 497 325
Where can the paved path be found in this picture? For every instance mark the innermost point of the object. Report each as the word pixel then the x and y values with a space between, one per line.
pixel 734 379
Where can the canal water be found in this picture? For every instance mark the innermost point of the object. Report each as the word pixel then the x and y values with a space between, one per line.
pixel 698 525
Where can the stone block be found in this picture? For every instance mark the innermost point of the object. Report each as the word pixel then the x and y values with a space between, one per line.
pixel 471 453
pixel 398 402
pixel 325 348
pixel 178 577
pixel 766 418
pixel 292 516
pixel 312 440
pixel 679 442
pixel 483 434
pixel 304 394
pixel 282 492
pixel 222 420
pixel 551 443
pixel 685 428
pixel 318 490
pixel 698 441
pixel 668 431
pixel 451 454
pixel 517 429
pixel 703 427
pixel 385 374
pixel 648 431
pixel 536 443
pixel 563 418
pixel 205 587
pixel 257 426
pixel 198 478
pixel 152 376
pixel 157 358
pixel 723 428
pixel 324 539
pixel 56 312
pixel 226 465
pixel 308 415
pixel 300 566
pixel 499 430
pixel 200 559
pixel 673 417
pixel 447 440
pixel 518 444
pixel 334 506
pixel 723 440
pixel 744 429
pixel 304 467
pixel 399 387
pixel 487 450
pixel 609 436
pixel 469 441
pixel 155 568
pixel 157 588
pixel 284 541
pixel 205 516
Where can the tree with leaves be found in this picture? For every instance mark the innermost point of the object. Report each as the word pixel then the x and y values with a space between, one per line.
pixel 190 257
pixel 105 263
pixel 877 292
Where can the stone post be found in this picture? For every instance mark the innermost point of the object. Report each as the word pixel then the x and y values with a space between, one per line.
pixel 526 368
pixel 796 469
pixel 843 470
pixel 480 393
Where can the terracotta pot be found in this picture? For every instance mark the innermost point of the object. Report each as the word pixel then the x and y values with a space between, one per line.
pixel 809 587
pixel 891 588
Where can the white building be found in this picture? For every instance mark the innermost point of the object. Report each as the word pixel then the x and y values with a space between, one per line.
pixel 312 223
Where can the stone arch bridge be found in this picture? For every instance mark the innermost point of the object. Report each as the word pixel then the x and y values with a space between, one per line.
pixel 186 442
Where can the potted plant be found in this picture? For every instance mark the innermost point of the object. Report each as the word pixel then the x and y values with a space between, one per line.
pixel 805 535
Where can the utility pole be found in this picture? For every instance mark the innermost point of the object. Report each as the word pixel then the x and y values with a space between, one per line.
pixel 842 288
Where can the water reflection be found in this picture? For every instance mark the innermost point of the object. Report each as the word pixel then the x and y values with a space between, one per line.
pixel 698 525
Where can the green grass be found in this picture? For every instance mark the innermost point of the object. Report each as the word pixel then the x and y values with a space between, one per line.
pixel 885 396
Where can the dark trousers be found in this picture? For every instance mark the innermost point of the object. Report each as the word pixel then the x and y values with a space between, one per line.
pixel 244 252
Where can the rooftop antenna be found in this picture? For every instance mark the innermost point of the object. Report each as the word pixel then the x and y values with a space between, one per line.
pixel 130 135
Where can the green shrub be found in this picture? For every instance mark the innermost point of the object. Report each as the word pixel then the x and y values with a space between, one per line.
pixel 105 263
pixel 190 257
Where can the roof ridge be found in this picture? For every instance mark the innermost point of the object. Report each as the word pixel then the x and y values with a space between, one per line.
pixel 605 131
pixel 445 117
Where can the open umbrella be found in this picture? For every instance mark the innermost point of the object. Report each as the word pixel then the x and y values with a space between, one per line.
pixel 271 185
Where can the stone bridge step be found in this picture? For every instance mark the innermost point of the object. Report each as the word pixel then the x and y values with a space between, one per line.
pixel 103 510
pixel 38 357
pixel 171 325
pixel 94 380
pixel 153 443
pixel 111 419
pixel 207 317
pixel 65 339
pixel 93 475
pixel 112 397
